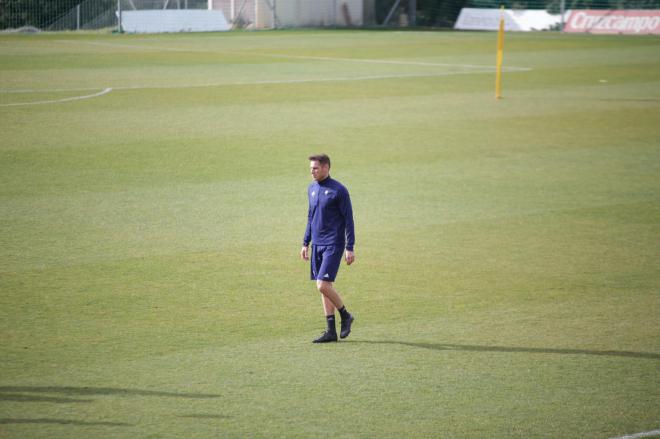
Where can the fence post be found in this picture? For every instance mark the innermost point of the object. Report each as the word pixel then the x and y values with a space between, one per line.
pixel 334 13
pixel 118 16
pixel 412 12
pixel 78 17
pixel 274 14
pixel 392 11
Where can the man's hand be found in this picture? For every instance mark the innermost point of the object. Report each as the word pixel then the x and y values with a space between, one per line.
pixel 350 257
pixel 304 253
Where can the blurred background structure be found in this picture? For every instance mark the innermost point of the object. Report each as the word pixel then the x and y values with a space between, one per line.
pixel 60 15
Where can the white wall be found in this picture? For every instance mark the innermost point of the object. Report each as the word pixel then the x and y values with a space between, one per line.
pixel 157 21
pixel 294 13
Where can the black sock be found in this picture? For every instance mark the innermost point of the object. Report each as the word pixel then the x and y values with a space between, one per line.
pixel 344 314
pixel 331 323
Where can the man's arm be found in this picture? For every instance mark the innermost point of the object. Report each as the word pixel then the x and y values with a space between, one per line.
pixel 350 257
pixel 308 230
pixel 346 209
pixel 304 252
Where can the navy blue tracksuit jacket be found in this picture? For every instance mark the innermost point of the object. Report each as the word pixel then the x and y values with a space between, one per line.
pixel 330 216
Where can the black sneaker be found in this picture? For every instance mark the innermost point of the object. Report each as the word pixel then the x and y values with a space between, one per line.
pixel 346 326
pixel 326 337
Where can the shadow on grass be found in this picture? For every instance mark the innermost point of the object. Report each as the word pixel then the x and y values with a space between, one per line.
pixel 5 421
pixel 14 393
pixel 67 395
pixel 505 349
pixel 19 397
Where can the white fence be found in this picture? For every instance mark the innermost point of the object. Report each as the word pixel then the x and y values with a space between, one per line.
pixel 260 14
pixel 249 14
pixel 155 21
pixel 185 15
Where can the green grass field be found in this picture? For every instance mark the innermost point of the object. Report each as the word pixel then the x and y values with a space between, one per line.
pixel 153 202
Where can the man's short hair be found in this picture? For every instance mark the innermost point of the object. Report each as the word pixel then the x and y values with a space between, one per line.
pixel 323 159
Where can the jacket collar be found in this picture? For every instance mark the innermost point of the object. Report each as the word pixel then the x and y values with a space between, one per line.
pixel 325 181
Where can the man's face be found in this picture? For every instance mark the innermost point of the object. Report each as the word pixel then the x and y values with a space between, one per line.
pixel 319 172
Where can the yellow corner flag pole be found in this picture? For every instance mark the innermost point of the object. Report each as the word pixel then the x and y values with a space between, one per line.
pixel 500 55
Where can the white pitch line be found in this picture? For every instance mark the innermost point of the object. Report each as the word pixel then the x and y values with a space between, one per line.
pixel 313 58
pixel 256 82
pixel 639 435
pixel 471 69
pixel 139 46
pixel 46 90
pixel 57 101
pixel 395 62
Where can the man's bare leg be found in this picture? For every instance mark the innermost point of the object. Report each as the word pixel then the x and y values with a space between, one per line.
pixel 332 301
pixel 328 306
pixel 329 293
pixel 329 309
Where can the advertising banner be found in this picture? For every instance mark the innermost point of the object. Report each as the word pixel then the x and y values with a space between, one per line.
pixel 633 22
pixel 514 20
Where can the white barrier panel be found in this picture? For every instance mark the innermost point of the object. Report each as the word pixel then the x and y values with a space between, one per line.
pixel 157 21
pixel 292 13
pixel 320 13
pixel 614 22
pixel 514 20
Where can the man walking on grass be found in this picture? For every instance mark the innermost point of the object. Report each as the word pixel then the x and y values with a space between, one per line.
pixel 330 230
